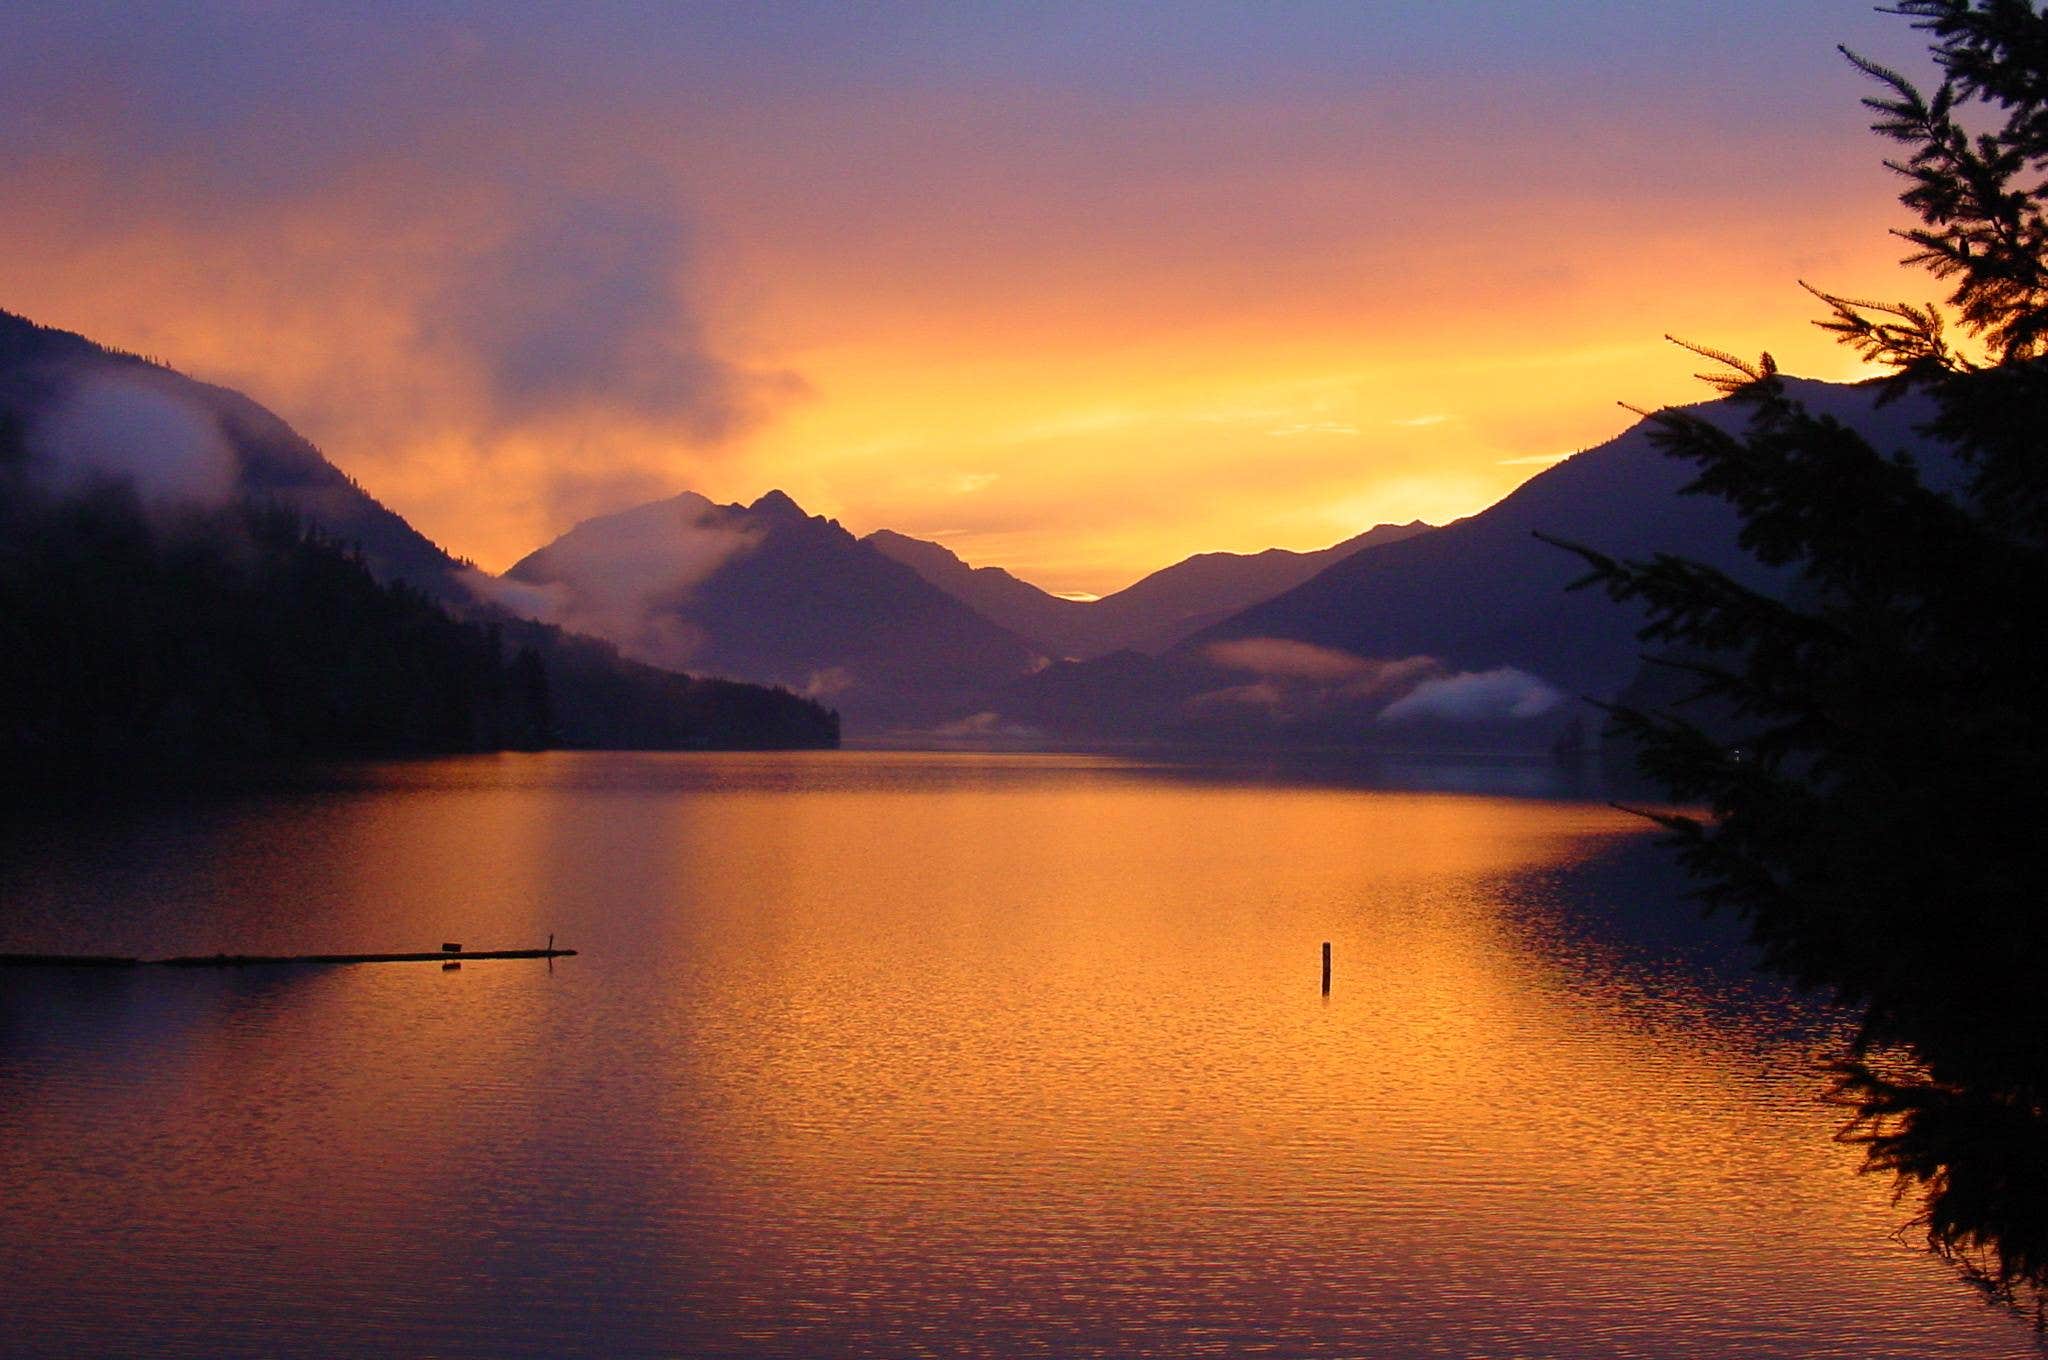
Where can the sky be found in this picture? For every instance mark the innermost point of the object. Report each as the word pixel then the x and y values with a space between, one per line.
pixel 1077 289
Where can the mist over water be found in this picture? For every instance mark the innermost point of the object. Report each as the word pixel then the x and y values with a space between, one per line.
pixel 917 1055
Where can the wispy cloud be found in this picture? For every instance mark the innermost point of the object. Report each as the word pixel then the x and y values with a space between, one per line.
pixel 133 429
pixel 1298 680
pixel 623 577
pixel 1476 696
pixel 584 304
pixel 1337 427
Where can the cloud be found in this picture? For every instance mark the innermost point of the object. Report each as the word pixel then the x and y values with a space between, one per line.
pixel 985 728
pixel 132 429
pixel 1320 694
pixel 582 306
pixel 1338 675
pixel 1265 695
pixel 824 684
pixel 1285 658
pixel 1300 681
pixel 1497 695
pixel 625 578
pixel 548 603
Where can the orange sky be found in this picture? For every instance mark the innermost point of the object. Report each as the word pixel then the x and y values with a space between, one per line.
pixel 1073 314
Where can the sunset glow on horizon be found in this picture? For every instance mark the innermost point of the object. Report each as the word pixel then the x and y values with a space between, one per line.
pixel 1075 290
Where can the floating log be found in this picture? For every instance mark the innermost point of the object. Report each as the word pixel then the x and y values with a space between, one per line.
pixel 247 960
pixel 258 960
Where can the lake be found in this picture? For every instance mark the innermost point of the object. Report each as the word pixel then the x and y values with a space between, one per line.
pixel 916 1055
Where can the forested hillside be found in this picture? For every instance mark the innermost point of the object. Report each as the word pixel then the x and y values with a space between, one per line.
pixel 171 604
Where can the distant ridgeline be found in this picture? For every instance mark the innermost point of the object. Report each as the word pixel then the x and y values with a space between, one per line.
pixel 1404 637
pixel 186 583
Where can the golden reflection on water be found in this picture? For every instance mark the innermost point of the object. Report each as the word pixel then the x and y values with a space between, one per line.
pixel 948 1055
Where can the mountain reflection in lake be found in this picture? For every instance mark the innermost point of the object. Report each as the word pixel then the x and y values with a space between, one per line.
pixel 885 1054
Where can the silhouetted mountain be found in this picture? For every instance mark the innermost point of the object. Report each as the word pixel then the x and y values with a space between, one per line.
pixel 47 375
pixel 1463 635
pixel 176 556
pixel 1486 592
pixel 767 593
pixel 1147 616
pixel 1056 626
pixel 1178 601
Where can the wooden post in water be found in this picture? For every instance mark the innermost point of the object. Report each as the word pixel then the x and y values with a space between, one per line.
pixel 1326 967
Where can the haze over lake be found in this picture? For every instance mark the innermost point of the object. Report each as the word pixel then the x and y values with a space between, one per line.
pixel 919 1055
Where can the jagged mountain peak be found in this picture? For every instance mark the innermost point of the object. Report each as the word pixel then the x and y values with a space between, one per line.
pixel 766 592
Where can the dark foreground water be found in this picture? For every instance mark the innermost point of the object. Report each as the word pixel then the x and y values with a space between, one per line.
pixel 899 1055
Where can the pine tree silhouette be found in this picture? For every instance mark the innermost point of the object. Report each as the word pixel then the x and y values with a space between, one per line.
pixel 1878 820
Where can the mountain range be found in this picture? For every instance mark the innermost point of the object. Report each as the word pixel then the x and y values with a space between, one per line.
pixel 898 634
pixel 1404 635
pixel 1466 635
pixel 1486 591
pixel 1148 616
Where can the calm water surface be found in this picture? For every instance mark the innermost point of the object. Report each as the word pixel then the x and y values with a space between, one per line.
pixel 918 1055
